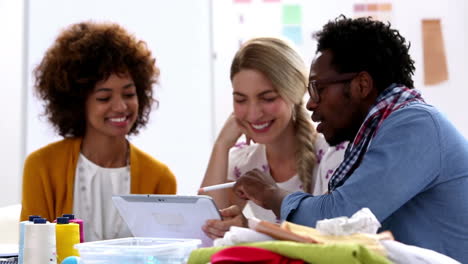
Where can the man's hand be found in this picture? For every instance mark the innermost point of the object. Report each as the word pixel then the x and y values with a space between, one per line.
pixel 232 216
pixel 261 189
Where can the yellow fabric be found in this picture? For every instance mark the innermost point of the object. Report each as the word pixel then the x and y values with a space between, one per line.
pixel 368 240
pixel 49 178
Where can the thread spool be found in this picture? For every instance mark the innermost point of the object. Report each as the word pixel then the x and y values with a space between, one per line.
pixel 72 260
pixel 77 221
pixel 67 234
pixel 21 237
pixel 39 242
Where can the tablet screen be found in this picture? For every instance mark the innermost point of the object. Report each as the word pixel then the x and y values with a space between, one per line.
pixel 167 216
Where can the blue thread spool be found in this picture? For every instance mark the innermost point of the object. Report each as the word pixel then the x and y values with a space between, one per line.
pixel 71 260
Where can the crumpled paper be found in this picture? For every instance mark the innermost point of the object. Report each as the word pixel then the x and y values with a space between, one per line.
pixel 363 221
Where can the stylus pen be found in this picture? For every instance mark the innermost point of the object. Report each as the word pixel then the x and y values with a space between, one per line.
pixel 217 187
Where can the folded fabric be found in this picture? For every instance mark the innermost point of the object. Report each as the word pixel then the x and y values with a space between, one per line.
pixel 237 235
pixel 370 241
pixel 400 253
pixel 311 253
pixel 279 233
pixel 243 254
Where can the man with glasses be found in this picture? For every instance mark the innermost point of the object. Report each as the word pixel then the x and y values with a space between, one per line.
pixel 405 160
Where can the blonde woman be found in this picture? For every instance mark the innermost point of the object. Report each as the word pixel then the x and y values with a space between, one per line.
pixel 269 81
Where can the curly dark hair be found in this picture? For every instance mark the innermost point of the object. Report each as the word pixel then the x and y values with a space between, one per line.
pixel 363 44
pixel 82 55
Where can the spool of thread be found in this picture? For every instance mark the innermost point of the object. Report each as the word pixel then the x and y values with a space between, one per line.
pixel 21 237
pixel 67 234
pixel 39 242
pixel 77 221
pixel 72 260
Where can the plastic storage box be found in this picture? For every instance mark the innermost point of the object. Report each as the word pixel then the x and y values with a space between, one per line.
pixel 137 250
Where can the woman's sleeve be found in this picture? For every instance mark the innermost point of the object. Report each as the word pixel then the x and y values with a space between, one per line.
pixel 168 182
pixel 34 199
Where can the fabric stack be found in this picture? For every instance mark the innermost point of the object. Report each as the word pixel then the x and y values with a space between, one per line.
pixel 338 240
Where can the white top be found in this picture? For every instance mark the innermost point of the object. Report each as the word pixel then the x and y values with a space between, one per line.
pixel 92 201
pixel 243 158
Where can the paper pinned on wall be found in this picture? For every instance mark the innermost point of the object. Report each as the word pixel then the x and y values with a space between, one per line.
pixel 435 62
pixel 292 14
pixel 377 11
pixel 293 33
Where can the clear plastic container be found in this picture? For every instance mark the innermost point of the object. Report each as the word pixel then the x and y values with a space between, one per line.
pixel 137 250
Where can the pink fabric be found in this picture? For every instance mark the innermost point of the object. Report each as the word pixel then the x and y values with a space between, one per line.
pixel 242 254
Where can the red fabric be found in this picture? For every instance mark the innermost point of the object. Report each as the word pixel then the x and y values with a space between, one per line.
pixel 253 255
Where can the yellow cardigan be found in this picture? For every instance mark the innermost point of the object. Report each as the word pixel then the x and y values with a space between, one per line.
pixel 49 178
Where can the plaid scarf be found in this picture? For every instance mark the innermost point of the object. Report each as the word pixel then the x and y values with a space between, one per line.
pixel 390 100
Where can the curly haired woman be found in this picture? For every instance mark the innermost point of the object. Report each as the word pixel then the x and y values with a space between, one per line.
pixel 96 81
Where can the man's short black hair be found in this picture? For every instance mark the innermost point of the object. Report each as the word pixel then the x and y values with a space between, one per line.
pixel 363 44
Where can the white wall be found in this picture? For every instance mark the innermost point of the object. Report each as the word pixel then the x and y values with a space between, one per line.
pixel 450 96
pixel 180 131
pixel 261 18
pixel 11 106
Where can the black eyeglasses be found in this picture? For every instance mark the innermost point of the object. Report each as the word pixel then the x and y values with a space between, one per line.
pixel 314 92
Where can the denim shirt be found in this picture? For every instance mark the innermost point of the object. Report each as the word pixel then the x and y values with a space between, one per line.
pixel 414 178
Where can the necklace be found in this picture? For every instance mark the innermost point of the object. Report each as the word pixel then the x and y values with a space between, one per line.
pixel 127 154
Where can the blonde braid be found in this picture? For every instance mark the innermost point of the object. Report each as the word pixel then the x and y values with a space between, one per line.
pixel 305 153
pixel 284 67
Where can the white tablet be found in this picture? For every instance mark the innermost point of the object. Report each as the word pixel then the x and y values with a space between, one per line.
pixel 167 216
